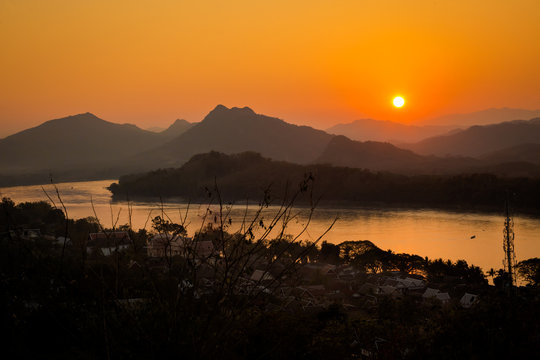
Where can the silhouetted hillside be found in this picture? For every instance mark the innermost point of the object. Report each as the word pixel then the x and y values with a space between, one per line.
pixel 177 128
pixel 523 153
pixel 240 129
pixel 388 131
pixel 244 175
pixel 155 129
pixel 247 175
pixel 483 117
pixel 78 141
pixel 378 156
pixel 85 147
pixel 479 140
pixel 341 151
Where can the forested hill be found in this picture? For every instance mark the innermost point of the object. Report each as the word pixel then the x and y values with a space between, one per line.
pixel 247 175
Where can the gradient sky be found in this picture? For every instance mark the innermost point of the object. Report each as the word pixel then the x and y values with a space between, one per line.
pixel 307 62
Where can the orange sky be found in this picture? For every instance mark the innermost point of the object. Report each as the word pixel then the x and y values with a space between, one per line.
pixel 308 62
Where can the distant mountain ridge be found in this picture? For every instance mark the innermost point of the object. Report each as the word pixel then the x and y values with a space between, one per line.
pixel 477 141
pixel 84 146
pixel 521 153
pixel 177 128
pixel 483 117
pixel 236 130
pixel 155 129
pixel 342 151
pixel 75 141
pixel 378 156
pixel 240 129
pixel 386 131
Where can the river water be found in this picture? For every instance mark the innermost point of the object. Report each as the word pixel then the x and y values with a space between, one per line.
pixel 474 237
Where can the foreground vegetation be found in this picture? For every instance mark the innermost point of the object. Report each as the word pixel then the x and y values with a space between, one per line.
pixel 57 300
pixel 246 175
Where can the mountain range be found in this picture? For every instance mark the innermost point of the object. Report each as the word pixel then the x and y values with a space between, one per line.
pixel 71 142
pixel 481 141
pixel 240 129
pixel 177 128
pixel 398 133
pixel 521 153
pixel 76 147
pixel 483 117
pixel 389 131
pixel 84 146
pixel 342 151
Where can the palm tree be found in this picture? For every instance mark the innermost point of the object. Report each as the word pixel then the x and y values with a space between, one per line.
pixel 491 273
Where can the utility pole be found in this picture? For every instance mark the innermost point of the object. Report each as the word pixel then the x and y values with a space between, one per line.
pixel 508 247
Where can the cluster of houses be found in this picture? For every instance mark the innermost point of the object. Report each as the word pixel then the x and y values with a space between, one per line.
pixel 107 243
pixel 24 233
pixel 158 246
pixel 466 301
pixel 312 285
pixel 325 284
pixel 33 235
pixel 162 245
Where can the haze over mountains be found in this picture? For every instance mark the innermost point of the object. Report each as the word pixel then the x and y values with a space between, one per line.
pixel 76 147
pixel 155 129
pixel 522 153
pixel 72 141
pixel 83 146
pixel 483 117
pixel 342 151
pixel 397 133
pixel 240 129
pixel 378 130
pixel 478 141
pixel 177 128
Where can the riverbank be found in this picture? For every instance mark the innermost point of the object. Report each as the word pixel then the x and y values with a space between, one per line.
pixel 427 232
pixel 235 178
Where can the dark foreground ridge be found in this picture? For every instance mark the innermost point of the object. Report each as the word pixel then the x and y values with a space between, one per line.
pixel 76 290
pixel 248 176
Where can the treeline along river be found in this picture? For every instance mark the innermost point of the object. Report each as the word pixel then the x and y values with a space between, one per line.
pixel 473 236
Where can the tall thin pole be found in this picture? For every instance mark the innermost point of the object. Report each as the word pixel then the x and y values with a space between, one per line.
pixel 508 245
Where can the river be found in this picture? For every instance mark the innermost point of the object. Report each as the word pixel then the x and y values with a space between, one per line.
pixel 474 237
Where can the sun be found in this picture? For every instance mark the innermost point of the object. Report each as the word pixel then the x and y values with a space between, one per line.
pixel 398 101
